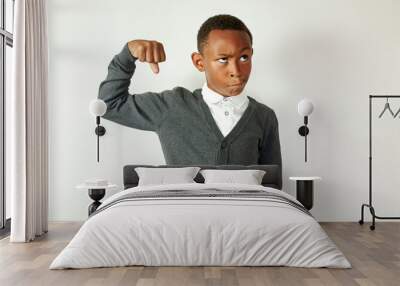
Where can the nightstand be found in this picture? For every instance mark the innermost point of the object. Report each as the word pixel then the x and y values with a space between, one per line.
pixel 305 190
pixel 96 193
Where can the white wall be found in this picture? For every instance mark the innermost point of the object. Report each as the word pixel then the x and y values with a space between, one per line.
pixel 335 53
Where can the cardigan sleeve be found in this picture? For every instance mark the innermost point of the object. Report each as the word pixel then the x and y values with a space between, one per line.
pixel 271 149
pixel 144 111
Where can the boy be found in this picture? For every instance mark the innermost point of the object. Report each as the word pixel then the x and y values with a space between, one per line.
pixel 215 125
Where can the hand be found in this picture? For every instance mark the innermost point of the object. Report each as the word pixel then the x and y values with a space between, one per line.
pixel 148 51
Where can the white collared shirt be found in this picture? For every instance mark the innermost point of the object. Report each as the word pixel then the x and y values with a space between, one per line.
pixel 226 110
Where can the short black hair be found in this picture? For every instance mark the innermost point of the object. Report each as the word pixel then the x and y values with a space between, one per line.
pixel 220 22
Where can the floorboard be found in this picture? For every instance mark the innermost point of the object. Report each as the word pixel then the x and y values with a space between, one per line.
pixel 374 255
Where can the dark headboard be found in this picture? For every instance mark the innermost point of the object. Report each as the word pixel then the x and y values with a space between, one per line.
pixel 272 177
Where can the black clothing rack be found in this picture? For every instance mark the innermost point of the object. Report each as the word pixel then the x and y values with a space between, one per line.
pixel 369 205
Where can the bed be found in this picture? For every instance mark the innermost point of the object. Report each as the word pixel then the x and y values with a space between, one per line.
pixel 201 224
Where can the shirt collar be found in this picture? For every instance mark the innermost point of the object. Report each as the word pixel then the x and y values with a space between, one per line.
pixel 212 97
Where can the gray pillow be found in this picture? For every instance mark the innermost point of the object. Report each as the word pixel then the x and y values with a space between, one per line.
pixel 162 176
pixel 248 177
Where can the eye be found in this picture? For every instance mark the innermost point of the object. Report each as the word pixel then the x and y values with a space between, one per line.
pixel 222 60
pixel 246 57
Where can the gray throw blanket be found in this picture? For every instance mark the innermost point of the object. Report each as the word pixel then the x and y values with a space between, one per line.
pixel 204 194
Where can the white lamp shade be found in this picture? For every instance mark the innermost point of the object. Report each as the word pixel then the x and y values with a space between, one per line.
pixel 305 107
pixel 97 107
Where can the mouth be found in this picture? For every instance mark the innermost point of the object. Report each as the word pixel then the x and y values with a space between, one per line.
pixel 238 84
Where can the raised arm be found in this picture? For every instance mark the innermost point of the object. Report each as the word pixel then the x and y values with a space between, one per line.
pixel 141 111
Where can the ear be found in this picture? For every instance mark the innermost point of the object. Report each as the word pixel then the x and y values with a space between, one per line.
pixel 197 60
pixel 252 51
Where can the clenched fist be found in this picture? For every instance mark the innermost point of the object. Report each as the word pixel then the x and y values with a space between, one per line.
pixel 148 51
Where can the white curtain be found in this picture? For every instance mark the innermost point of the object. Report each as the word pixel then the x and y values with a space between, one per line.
pixel 28 123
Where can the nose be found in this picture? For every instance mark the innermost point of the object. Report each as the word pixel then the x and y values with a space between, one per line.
pixel 234 70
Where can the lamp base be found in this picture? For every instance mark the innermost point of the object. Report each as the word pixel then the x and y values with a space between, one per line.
pixel 303 130
pixel 100 130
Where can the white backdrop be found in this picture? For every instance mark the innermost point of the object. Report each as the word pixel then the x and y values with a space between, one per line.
pixel 334 53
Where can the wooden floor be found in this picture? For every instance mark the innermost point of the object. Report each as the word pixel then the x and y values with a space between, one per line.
pixel 374 255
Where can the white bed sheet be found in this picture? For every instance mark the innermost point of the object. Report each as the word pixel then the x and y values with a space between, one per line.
pixel 202 232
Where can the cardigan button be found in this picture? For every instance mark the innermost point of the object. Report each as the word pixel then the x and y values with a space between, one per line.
pixel 224 144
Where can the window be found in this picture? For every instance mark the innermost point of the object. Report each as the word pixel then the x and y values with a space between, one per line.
pixel 6 45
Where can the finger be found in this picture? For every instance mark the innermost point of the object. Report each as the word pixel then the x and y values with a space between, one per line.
pixel 163 57
pixel 156 54
pixel 140 53
pixel 154 67
pixel 142 56
pixel 149 54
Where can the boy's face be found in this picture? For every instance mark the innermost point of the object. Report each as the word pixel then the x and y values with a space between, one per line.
pixel 226 61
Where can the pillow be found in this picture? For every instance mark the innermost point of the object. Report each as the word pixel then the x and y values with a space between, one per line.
pixel 162 176
pixel 248 177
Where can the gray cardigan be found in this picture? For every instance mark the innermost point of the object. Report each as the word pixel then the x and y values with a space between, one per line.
pixel 182 120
